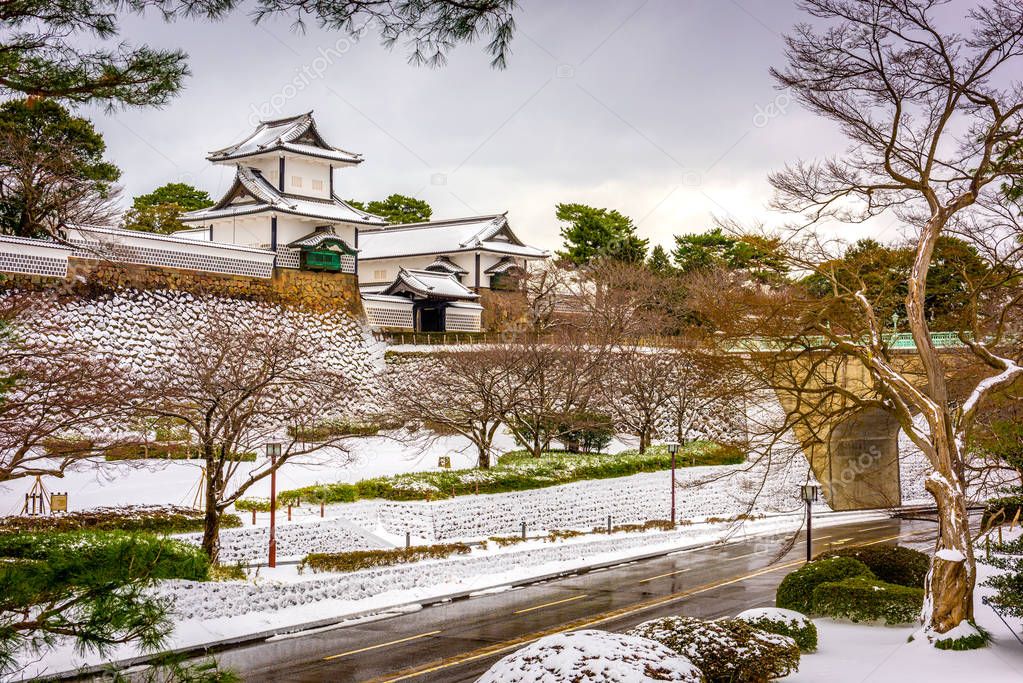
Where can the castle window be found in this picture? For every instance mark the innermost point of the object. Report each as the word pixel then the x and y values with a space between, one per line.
pixel 296 181
pixel 380 274
pixel 318 185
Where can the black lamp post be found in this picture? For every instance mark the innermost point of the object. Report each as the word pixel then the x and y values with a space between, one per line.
pixel 273 451
pixel 673 449
pixel 809 492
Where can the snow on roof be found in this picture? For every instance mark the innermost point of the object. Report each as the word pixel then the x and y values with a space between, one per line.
pixel 429 284
pixel 390 299
pixel 13 239
pixel 444 237
pixel 295 134
pixel 443 263
pixel 503 266
pixel 269 198
pixel 319 237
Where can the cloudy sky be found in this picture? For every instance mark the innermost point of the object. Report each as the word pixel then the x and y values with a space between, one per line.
pixel 662 109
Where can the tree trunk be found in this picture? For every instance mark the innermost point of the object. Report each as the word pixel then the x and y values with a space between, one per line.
pixel 211 521
pixel 948 594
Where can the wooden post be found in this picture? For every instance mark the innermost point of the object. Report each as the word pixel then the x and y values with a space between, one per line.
pixel 253 516
pixel 523 530
pixel 289 512
pixel 322 509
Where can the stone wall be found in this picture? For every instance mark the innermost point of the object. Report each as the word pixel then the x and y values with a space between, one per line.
pixel 321 292
pixel 502 310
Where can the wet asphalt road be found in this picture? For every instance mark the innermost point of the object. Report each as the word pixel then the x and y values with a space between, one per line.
pixel 458 641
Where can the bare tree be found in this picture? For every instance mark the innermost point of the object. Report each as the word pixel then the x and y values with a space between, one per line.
pixel 933 114
pixel 637 390
pixel 59 403
pixel 557 375
pixel 469 392
pixel 239 382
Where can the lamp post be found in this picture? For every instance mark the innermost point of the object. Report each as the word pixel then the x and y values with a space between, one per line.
pixel 673 449
pixel 273 451
pixel 809 492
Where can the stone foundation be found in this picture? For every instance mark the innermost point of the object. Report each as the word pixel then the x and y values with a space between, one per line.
pixel 320 292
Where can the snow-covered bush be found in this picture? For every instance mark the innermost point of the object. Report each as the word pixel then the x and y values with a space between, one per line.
pixel 795 592
pixel 890 563
pixel 784 622
pixel 725 650
pixel 592 657
pixel 862 598
pixel 160 519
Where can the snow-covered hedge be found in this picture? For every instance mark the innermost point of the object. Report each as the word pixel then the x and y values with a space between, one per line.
pixel 592 657
pixel 784 622
pixel 726 650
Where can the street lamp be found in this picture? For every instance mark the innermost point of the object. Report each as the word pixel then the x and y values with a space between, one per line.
pixel 273 451
pixel 809 492
pixel 673 449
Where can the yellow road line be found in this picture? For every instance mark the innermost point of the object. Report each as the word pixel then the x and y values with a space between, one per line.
pixel 377 647
pixel 661 576
pixel 840 541
pixel 548 604
pixel 742 557
pixel 515 643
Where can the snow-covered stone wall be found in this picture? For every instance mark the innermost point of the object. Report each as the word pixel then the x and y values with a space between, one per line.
pixel 142 328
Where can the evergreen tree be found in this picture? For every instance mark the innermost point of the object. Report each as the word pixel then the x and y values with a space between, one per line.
pixel 52 171
pixel 398 209
pixel 593 233
pixel 160 210
pixel 659 262
pixel 92 587
pixel 63 49
pixel 753 254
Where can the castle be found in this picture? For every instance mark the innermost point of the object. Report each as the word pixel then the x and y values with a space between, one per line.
pixel 282 213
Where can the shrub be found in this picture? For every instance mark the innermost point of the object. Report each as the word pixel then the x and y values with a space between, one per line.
pixel 163 519
pixel 796 590
pixel 890 563
pixel 595 657
pixel 332 429
pixel 367 559
pixel 783 622
pixel 228 572
pixel 726 650
pixel 58 446
pixel 255 504
pixel 967 636
pixel 863 598
pixel 1008 584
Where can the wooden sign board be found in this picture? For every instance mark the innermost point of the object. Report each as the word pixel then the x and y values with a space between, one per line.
pixel 58 502
pixel 444 461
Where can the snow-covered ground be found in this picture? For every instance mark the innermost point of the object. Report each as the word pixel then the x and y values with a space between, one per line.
pixel 883 654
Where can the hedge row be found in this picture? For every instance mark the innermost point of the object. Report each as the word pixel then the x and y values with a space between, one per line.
pixel 514 472
pixel 367 559
pixel 162 519
pixel 166 451
pixel 783 622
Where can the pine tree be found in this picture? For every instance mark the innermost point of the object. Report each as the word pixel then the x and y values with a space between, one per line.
pixel 659 261
pixel 160 210
pixel 593 233
pixel 52 170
